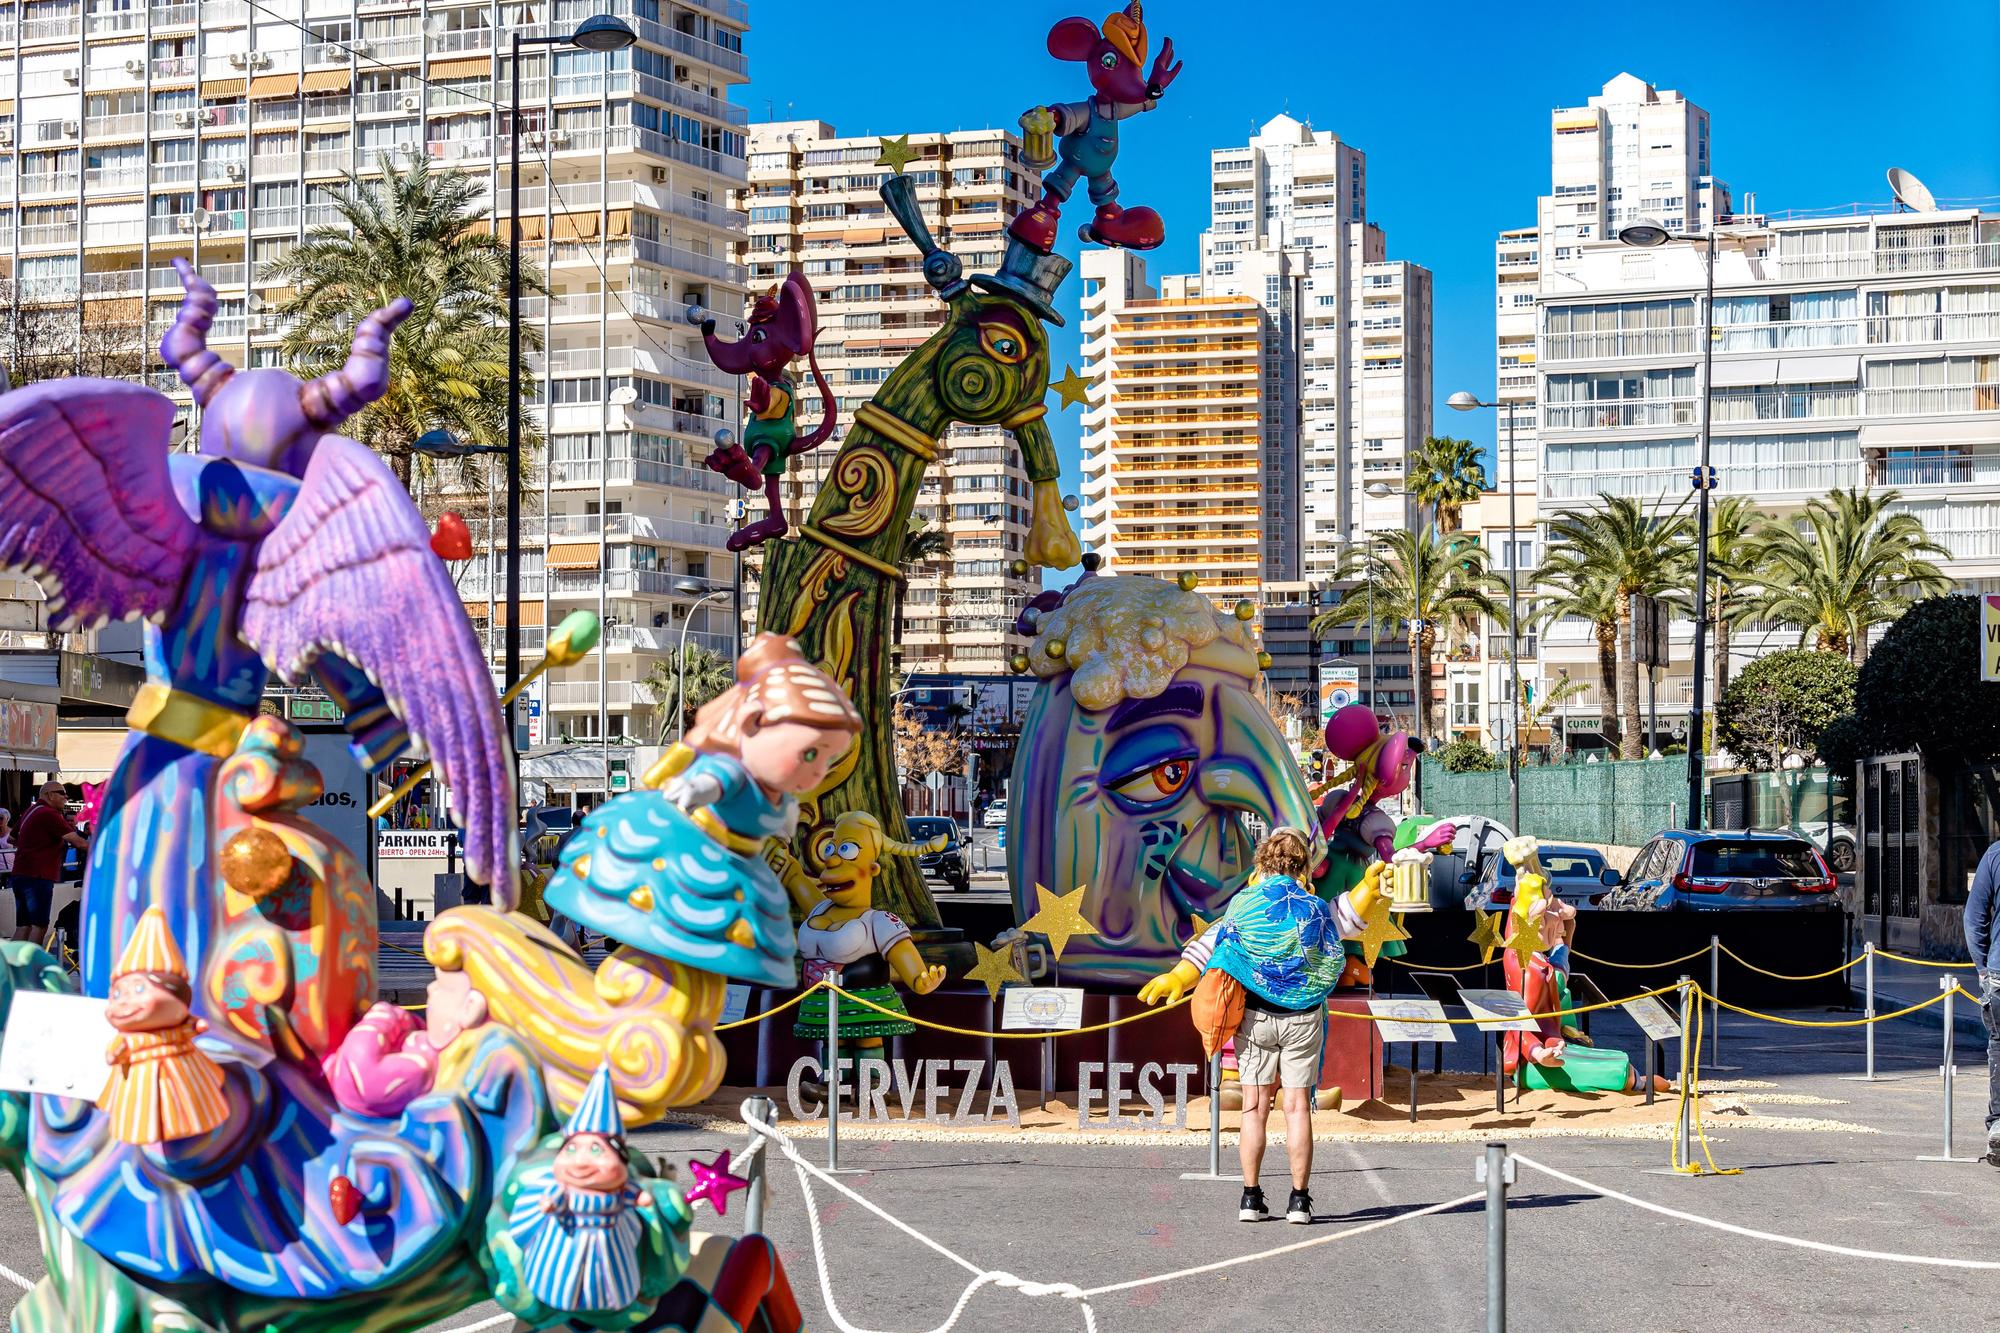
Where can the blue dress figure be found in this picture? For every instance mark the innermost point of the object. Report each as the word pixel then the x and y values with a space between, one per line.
pixel 580 1232
pixel 677 869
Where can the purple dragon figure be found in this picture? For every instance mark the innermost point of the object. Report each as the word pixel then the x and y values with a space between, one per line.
pixel 279 547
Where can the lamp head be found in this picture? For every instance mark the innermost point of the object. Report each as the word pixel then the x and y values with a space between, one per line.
pixel 1645 233
pixel 1463 401
pixel 601 32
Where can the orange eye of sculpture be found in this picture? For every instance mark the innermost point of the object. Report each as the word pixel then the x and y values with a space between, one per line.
pixel 1161 780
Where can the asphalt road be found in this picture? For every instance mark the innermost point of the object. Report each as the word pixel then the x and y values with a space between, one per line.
pixel 1100 1215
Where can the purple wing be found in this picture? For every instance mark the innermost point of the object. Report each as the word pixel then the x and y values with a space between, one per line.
pixel 86 505
pixel 350 572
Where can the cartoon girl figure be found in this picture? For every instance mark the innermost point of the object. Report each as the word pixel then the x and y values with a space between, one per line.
pixel 578 1232
pixel 161 1087
pixel 677 868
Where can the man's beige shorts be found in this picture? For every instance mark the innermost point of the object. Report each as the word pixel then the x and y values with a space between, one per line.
pixel 1280 1048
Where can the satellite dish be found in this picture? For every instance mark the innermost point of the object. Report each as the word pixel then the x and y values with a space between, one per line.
pixel 1910 192
pixel 624 396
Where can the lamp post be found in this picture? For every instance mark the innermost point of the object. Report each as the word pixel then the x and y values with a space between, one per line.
pixel 1647 234
pixel 1377 490
pixel 687 588
pixel 601 32
pixel 1466 402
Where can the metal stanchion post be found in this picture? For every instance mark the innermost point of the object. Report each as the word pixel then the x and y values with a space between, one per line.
pixel 1867 1013
pixel 1214 1171
pixel 1949 985
pixel 1496 1171
pixel 1715 997
pixel 1689 1055
pixel 764 1111
pixel 833 980
pixel 1651 1065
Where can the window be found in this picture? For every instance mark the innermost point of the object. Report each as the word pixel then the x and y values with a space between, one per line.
pixel 1465 703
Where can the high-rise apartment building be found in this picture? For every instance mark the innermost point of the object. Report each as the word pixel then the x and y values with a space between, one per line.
pixel 1852 348
pixel 135 134
pixel 813 205
pixel 1298 362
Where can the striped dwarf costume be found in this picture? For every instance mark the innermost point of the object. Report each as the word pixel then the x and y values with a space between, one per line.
pixel 583 1255
pixel 161 1087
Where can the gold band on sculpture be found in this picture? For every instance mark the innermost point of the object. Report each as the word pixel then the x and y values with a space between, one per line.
pixel 187 720
pixel 842 548
pixel 1032 412
pixel 896 430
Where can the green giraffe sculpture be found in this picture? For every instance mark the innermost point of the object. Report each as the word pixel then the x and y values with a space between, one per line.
pixel 832 586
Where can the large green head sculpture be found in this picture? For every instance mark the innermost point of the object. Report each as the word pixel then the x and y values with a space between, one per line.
pixel 1141 756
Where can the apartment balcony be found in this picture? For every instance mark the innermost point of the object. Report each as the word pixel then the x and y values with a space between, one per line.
pixel 1934 400
pixel 1890 261
pixel 644 527
pixel 663 639
pixel 571 695
pixel 1611 346
pixel 1974 469
pixel 688 261
pixel 1736 406
pixel 1788 336
pixel 1967 326
pixel 1621 415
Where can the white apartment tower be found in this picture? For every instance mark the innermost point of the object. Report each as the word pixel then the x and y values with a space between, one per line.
pixel 132 134
pixel 814 204
pixel 1347 394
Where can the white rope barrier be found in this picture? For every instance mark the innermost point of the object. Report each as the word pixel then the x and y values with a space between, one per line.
pixel 1796 1242
pixel 16 1278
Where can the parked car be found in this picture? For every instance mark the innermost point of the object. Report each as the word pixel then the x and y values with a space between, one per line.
pixel 1577 875
pixel 544 819
pixel 947 864
pixel 1700 871
pixel 1458 868
pixel 1838 850
pixel 996 814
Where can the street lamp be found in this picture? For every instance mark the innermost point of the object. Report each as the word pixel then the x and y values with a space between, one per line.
pixel 441 443
pixel 687 588
pixel 1466 402
pixel 601 32
pixel 1647 234
pixel 1377 490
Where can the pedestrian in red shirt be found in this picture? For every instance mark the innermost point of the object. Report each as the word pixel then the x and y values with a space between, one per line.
pixel 38 861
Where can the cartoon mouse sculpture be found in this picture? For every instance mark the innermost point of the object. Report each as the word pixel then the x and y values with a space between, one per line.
pixel 784 323
pixel 1084 135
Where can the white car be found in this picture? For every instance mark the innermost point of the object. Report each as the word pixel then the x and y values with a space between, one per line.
pixel 996 815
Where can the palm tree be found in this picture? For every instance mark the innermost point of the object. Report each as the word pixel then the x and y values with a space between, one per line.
pixel 1636 551
pixel 1542 713
pixel 922 540
pixel 1446 474
pixel 706 674
pixel 1424 581
pixel 1735 557
pixel 1844 566
pixel 415 233
pixel 1566 592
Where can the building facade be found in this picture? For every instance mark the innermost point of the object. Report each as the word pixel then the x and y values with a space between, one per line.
pixel 813 204
pixel 132 135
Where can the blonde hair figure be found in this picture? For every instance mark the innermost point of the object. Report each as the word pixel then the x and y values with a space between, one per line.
pixel 677 869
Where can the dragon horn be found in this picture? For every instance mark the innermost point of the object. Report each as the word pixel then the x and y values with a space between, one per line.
pixel 895 847
pixel 185 348
pixel 332 398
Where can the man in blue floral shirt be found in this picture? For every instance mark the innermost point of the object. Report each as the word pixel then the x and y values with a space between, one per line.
pixel 1282 941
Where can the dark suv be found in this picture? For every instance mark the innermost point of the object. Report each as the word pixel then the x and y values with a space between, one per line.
pixel 947 864
pixel 1683 870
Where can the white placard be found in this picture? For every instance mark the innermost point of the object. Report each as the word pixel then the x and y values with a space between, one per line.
pixel 403 844
pixel 1041 1009
pixel 1392 1020
pixel 1654 1019
pixel 55 1044
pixel 735 1004
pixel 1499 1011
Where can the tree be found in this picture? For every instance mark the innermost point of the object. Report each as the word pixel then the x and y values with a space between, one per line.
pixel 921 752
pixel 1844 566
pixel 707 675
pixel 1537 713
pixel 1920 688
pixel 1447 475
pixel 1782 703
pixel 1636 551
pixel 48 333
pixel 1569 592
pixel 416 233
pixel 1735 560
pixel 1422 581
pixel 1466 755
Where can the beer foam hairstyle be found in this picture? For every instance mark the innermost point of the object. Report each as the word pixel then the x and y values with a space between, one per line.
pixel 774 683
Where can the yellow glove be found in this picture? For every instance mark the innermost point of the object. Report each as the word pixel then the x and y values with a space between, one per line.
pixel 928 980
pixel 1170 985
pixel 1363 896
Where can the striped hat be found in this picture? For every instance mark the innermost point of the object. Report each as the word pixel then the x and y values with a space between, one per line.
pixel 597 1111
pixel 152 948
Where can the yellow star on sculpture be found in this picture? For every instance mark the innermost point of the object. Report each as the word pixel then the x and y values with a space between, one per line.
pixel 1200 926
pixel 896 153
pixel 1378 928
pixel 1071 388
pixel 1486 936
pixel 995 968
pixel 1524 941
pixel 1059 918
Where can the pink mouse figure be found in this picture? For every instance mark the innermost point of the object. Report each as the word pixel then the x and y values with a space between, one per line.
pixel 1086 132
pixel 1381 766
pixel 784 324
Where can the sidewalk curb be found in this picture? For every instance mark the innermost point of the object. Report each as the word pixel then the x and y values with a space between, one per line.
pixel 1967 1026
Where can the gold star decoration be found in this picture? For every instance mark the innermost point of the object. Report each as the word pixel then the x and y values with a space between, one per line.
pixel 1524 941
pixel 1059 918
pixel 1200 926
pixel 896 153
pixel 1486 936
pixel 1072 388
pixel 995 969
pixel 1378 928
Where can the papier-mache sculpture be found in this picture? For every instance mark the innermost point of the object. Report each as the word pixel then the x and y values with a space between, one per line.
pixel 1142 755
pixel 274 1149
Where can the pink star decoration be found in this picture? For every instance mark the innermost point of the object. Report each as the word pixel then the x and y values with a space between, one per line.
pixel 93 802
pixel 713 1182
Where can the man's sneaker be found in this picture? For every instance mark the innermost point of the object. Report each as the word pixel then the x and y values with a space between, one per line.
pixel 1253 1208
pixel 1299 1208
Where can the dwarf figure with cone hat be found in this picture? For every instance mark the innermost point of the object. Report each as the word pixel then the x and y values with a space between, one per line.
pixel 579 1235
pixel 161 1087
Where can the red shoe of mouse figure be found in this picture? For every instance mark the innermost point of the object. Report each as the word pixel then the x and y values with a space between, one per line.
pixel 1036 227
pixel 1127 228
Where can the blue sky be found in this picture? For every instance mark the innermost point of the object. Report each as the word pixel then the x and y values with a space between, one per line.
pixel 1811 103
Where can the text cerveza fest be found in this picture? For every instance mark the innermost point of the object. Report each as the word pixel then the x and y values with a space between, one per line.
pixel 947 1092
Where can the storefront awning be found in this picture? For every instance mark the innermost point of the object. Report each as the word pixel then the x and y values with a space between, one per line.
pixel 477 67
pixel 274 85
pixel 325 81
pixel 572 555
pixel 222 87
pixel 87 754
